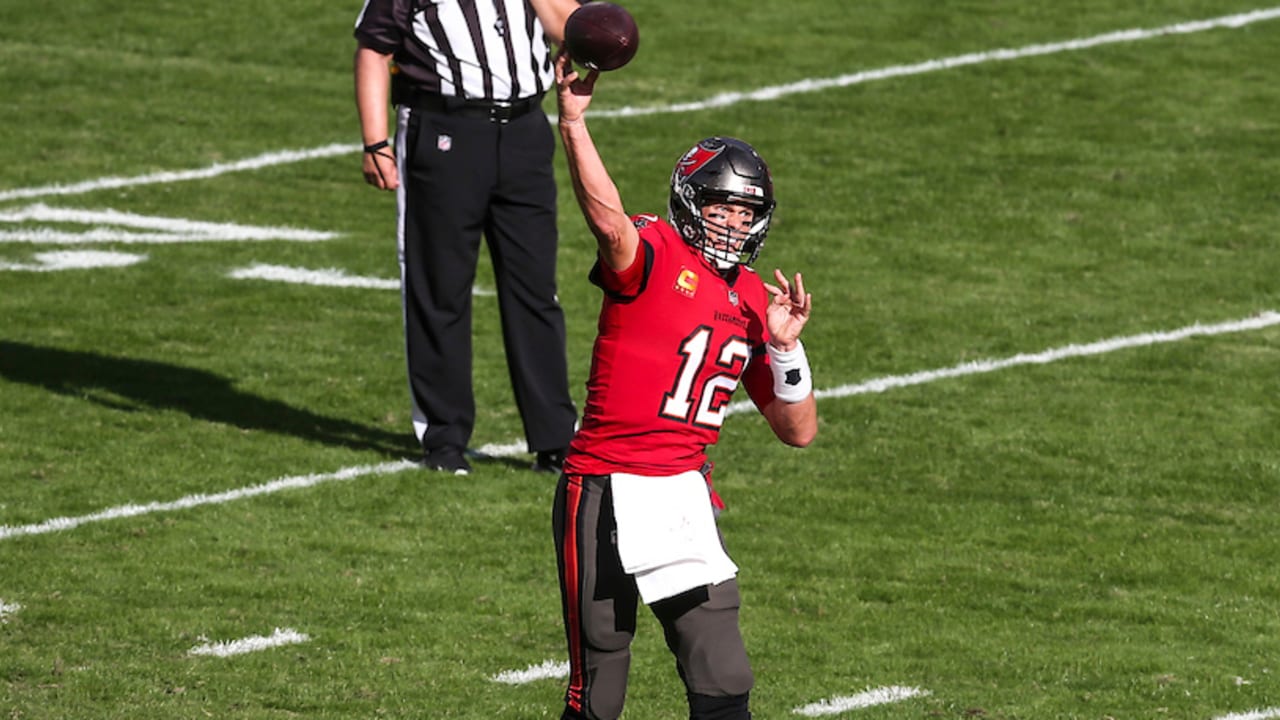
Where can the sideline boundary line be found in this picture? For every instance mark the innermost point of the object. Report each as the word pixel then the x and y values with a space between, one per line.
pixel 283 157
pixel 1260 321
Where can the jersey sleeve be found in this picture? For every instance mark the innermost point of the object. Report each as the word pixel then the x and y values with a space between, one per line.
pixel 623 285
pixel 380 25
pixel 758 379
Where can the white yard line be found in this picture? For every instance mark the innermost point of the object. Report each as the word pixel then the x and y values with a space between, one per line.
pixel 950 63
pixel 718 101
pixel 866 699
pixel 267 160
pixel 1258 322
pixel 253 643
pixel 191 501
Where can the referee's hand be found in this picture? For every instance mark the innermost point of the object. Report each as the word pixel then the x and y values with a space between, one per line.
pixel 380 166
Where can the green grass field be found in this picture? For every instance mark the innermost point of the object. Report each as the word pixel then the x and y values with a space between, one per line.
pixel 1007 527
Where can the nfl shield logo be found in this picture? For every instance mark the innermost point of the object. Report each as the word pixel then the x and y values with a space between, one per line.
pixel 733 298
pixel 444 143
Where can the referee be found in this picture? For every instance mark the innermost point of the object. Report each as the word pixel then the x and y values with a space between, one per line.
pixel 472 155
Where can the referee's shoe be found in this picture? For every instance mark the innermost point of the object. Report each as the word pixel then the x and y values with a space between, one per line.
pixel 448 459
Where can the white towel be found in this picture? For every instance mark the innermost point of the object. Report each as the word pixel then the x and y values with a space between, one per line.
pixel 667 533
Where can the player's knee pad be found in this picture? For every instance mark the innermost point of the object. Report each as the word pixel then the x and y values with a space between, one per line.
pixel 702 631
pixel 709 707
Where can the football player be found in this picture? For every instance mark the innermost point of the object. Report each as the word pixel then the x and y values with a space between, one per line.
pixel 684 319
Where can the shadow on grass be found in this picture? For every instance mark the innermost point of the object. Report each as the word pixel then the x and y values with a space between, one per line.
pixel 125 384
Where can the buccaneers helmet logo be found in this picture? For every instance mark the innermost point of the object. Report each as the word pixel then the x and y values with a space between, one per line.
pixel 697 157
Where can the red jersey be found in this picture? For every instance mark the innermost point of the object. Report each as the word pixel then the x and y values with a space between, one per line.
pixel 674 338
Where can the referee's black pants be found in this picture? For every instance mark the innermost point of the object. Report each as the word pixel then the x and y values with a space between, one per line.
pixel 462 177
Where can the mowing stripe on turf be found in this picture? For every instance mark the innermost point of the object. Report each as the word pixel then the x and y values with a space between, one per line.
pixel 284 157
pixel 1257 322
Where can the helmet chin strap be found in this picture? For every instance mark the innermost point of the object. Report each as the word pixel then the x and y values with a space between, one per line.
pixel 720 262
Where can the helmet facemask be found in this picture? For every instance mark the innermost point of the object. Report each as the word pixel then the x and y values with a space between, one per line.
pixel 725 245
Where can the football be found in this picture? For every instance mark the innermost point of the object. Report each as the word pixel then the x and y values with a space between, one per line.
pixel 601 36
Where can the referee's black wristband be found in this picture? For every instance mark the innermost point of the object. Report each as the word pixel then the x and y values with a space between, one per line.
pixel 377 146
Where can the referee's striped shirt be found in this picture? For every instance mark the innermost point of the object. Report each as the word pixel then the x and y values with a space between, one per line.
pixel 475 49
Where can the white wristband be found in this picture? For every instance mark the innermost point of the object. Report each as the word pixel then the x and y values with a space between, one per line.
pixel 792 379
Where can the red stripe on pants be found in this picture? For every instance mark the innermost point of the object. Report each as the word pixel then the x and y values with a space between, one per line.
pixel 573 589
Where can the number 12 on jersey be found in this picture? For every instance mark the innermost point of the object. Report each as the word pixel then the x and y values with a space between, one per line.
pixel 712 397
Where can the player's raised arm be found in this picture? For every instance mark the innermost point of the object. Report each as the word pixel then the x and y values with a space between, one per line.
pixel 597 194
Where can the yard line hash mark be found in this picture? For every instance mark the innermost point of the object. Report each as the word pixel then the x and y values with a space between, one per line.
pixel 8 610
pixel 253 643
pixel 74 260
pixel 1257 322
pixel 548 669
pixel 866 699
pixel 722 100
pixel 328 277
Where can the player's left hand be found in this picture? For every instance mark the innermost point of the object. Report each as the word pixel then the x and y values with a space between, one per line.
pixel 788 310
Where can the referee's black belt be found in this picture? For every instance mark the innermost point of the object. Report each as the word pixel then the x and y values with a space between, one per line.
pixel 495 111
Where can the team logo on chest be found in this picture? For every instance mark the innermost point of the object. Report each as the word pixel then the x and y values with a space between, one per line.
pixel 686 282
